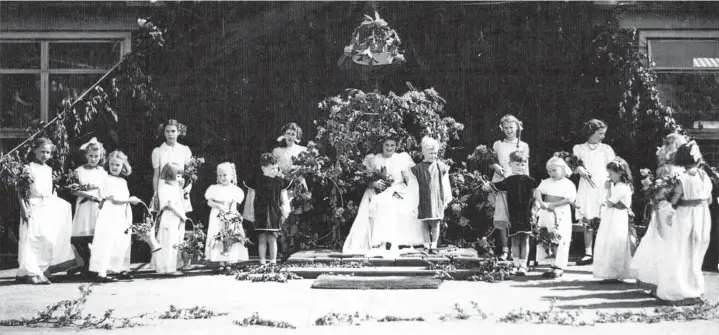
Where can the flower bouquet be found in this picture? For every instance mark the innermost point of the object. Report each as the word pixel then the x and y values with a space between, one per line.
pixel 145 230
pixel 483 155
pixel 18 175
pixel 549 240
pixel 231 231
pixel 191 169
pixel 588 224
pixel 193 246
pixel 374 43
pixel 574 162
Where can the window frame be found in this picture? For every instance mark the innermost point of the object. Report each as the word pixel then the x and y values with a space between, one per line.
pixel 647 36
pixel 45 38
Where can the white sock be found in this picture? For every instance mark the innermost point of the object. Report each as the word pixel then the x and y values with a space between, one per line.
pixel 434 245
pixel 588 251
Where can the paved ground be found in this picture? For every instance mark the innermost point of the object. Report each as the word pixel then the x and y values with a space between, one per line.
pixel 297 303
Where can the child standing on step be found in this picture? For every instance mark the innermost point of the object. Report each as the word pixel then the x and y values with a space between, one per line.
pixel 519 189
pixel 555 195
pixel 434 192
pixel 612 250
pixel 224 197
pixel 271 206
pixel 512 129
pixel 172 220
pixel 111 244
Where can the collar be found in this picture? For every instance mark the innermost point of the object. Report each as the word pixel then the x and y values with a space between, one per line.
pixel 88 167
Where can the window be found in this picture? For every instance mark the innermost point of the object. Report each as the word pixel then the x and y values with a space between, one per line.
pixel 39 70
pixel 687 65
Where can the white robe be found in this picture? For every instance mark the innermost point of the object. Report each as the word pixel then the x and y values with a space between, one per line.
pixel 612 248
pixel 110 244
pixel 171 230
pixel 44 240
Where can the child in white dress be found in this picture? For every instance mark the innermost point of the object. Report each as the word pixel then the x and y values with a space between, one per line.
pixel 554 196
pixel 590 196
pixel 612 251
pixel 111 244
pixel 512 129
pixel 644 265
pixel 222 197
pixel 171 226
pixel 687 236
pixel 87 206
pixel 46 222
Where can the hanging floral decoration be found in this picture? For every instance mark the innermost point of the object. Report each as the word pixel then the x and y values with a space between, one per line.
pixel 373 43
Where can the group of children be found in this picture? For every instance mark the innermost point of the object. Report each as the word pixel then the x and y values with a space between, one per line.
pixel 679 238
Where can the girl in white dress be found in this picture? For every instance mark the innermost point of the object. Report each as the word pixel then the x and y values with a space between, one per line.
pixel 87 206
pixel 290 148
pixel 46 222
pixel 111 244
pixel 554 196
pixel 687 236
pixel 512 128
pixel 223 197
pixel 382 217
pixel 644 265
pixel 171 151
pixel 171 227
pixel 590 196
pixel 613 253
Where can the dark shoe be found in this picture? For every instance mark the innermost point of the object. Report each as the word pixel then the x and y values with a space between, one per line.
pixel 123 276
pixel 521 272
pixel 587 260
pixel 433 251
pixel 106 279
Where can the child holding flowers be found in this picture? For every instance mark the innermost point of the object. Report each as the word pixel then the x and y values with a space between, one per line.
pixel 90 176
pixel 224 197
pixel 590 193
pixel 512 129
pixel 554 196
pixel 111 243
pixel 271 206
pixel 686 238
pixel 45 225
pixel 644 265
pixel 520 197
pixel 613 252
pixel 172 219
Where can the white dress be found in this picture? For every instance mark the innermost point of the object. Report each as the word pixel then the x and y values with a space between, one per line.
pixel 111 244
pixel 644 265
pixel 179 154
pixel 504 149
pixel 561 217
pixel 686 241
pixel 171 230
pixel 589 198
pixel 229 195
pixel 383 217
pixel 284 157
pixel 44 241
pixel 612 248
pixel 83 224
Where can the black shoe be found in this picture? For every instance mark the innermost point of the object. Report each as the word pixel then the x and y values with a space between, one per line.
pixel 587 260
pixel 106 279
pixel 123 276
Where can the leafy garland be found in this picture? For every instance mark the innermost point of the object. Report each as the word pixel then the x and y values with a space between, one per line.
pixel 373 37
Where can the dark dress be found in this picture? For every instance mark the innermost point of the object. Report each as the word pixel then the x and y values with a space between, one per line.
pixel 268 203
pixel 520 194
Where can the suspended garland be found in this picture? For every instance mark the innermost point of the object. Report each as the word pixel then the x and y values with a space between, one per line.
pixel 373 43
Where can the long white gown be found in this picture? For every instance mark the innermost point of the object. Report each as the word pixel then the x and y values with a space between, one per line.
pixel 179 154
pixel 385 217
pixel 44 240
pixel 686 241
pixel 110 244
pixel 171 230
pixel 612 249
pixel 559 220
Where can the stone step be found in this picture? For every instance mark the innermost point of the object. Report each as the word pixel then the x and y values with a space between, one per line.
pixel 404 258
pixel 381 271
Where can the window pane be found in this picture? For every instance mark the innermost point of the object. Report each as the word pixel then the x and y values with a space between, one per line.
pixel 97 56
pixel 685 53
pixel 19 100
pixel 19 55
pixel 68 86
pixel 693 96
